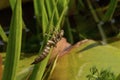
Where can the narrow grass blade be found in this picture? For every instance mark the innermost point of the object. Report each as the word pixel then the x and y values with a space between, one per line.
pixel 40 10
pixel 112 6
pixel 56 10
pixel 93 11
pixel 39 69
pixel 61 17
pixel 50 20
pixel 52 67
pixel 37 9
pixel 12 3
pixel 49 6
pixel 44 17
pixel 69 31
pixel 3 35
pixel 81 3
pixel 97 20
pixel 14 44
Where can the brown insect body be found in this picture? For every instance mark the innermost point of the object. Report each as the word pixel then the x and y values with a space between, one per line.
pixel 51 43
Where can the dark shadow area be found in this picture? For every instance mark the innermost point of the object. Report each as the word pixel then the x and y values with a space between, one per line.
pixel 89 47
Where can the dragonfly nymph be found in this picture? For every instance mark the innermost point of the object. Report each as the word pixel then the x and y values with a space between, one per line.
pixel 57 36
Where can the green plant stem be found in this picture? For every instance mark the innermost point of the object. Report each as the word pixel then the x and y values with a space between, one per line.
pixel 14 44
pixel 97 20
pixel 3 35
pixel 93 11
pixel 111 9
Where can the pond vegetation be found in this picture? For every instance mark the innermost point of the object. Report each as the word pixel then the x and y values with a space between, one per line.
pixel 91 28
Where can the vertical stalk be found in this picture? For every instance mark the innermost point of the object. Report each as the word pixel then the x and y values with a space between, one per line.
pixel 14 44
pixel 97 20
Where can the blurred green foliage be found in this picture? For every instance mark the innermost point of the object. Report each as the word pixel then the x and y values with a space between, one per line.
pixel 104 74
pixel 85 16
pixel 82 19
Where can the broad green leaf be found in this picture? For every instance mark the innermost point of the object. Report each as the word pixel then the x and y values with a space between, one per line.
pixel 75 64
pixel 25 69
pixel 25 73
pixel 116 44
pixel 14 44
